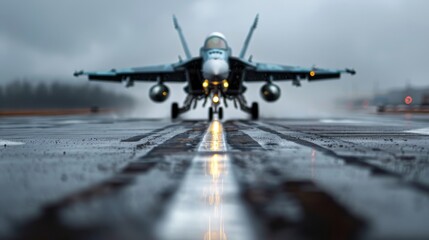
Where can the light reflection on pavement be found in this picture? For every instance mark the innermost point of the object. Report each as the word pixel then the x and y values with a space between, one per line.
pixel 213 195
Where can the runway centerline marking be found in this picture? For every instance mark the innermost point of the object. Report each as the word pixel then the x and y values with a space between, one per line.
pixel 343 121
pixel 207 205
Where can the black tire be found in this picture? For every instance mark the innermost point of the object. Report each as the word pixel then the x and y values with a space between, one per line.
pixel 174 110
pixel 220 113
pixel 255 111
pixel 210 114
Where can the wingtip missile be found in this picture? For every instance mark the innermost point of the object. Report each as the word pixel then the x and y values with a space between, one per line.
pixel 351 71
pixel 78 73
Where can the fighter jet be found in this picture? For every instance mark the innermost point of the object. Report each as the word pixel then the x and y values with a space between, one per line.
pixel 215 76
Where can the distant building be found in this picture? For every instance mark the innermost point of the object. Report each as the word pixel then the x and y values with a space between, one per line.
pixel 416 97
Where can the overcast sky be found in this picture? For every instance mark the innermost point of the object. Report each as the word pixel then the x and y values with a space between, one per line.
pixel 386 41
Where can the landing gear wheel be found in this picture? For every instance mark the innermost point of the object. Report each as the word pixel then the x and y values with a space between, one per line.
pixel 254 111
pixel 174 110
pixel 220 113
pixel 210 114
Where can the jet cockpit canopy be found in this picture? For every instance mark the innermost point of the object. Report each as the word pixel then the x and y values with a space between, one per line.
pixel 215 41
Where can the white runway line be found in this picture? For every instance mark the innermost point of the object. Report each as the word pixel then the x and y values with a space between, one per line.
pixel 423 131
pixel 207 205
pixel 73 122
pixel 10 143
pixel 342 121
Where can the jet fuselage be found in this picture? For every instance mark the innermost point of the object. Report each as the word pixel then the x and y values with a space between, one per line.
pixel 215 54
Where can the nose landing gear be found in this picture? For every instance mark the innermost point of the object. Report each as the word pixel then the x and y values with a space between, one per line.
pixel 191 100
pixel 213 111
pixel 220 113
pixel 174 110
pixel 210 113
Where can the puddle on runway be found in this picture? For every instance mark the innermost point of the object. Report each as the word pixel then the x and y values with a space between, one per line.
pixel 207 205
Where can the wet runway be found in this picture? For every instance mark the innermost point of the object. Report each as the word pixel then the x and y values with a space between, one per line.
pixel 100 177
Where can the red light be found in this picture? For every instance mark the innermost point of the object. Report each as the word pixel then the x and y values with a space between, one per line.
pixel 408 100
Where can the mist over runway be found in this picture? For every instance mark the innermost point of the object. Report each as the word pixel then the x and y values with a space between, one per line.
pixel 101 177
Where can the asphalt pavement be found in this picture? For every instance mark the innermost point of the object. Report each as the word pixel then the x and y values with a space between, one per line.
pixel 103 177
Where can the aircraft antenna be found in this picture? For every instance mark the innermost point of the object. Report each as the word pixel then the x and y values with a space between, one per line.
pixel 182 38
pixel 249 36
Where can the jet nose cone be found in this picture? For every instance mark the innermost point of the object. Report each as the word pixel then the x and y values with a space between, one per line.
pixel 215 68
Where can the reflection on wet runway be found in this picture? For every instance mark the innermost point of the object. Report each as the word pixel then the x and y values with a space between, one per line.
pixel 200 209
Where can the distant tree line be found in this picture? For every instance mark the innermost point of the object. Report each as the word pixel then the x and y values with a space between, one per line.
pixel 25 95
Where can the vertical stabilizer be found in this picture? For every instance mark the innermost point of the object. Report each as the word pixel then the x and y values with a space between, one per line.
pixel 182 38
pixel 249 36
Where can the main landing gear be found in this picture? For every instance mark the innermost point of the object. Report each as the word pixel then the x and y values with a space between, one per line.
pixel 174 110
pixel 190 101
pixel 254 111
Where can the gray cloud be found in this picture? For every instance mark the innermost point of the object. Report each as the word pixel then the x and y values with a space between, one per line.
pixel 385 40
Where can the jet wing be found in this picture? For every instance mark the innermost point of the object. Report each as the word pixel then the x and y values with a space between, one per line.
pixel 263 72
pixel 168 73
